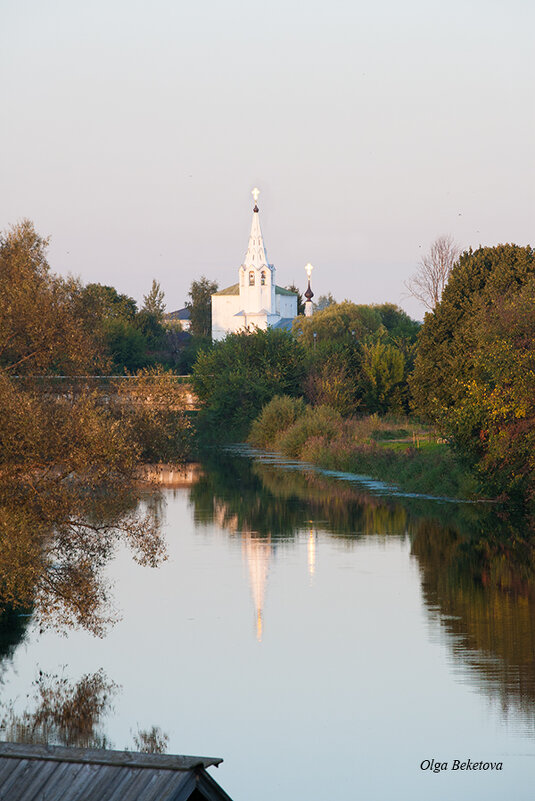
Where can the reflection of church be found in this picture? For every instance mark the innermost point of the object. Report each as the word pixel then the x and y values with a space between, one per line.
pixel 255 301
pixel 257 552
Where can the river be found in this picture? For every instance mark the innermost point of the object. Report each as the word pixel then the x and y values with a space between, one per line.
pixel 323 636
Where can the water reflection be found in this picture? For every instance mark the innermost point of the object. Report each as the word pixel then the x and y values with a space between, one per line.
pixel 55 544
pixel 477 568
pixel 62 712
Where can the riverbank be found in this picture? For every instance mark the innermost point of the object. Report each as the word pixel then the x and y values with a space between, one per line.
pixel 399 451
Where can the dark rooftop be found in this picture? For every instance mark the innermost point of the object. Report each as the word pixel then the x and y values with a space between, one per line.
pixel 29 772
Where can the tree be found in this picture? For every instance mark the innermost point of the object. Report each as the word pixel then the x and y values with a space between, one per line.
pixel 348 322
pixel 474 371
pixel 68 460
pixel 428 282
pixel 100 302
pixel 153 302
pixel 40 328
pixel 200 306
pixel 241 373
pixel 383 376
pixel 324 301
pixel 64 712
pixel 125 343
pixel 448 339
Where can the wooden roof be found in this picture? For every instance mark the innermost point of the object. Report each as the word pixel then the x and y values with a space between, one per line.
pixel 29 772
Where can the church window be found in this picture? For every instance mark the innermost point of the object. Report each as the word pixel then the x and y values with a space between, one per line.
pixel 251 278
pixel 263 278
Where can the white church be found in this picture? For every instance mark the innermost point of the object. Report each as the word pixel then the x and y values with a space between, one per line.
pixel 255 301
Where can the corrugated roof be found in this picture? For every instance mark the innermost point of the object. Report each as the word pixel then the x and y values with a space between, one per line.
pixel 29 772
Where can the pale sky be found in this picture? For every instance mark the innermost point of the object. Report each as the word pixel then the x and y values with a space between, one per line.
pixel 133 133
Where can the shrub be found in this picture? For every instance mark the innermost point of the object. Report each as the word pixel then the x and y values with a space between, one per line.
pixel 321 421
pixel 275 417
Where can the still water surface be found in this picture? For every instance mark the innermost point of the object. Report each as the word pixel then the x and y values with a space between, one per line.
pixel 322 639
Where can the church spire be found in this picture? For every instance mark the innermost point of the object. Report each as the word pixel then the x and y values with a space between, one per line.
pixel 256 256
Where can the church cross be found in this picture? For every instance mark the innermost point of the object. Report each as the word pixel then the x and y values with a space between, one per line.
pixel 255 194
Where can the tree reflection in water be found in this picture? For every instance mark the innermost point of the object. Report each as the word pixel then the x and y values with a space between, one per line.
pixel 62 712
pixel 477 565
pixel 53 550
pixel 69 713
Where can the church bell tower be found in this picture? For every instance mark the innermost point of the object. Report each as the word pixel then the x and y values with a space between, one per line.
pixel 257 276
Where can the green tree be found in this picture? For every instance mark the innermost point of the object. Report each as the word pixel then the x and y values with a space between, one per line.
pixel 243 372
pixel 444 362
pixel 101 302
pixel 348 322
pixel 383 376
pixel 475 366
pixel 153 303
pixel 324 301
pixel 126 344
pixel 200 306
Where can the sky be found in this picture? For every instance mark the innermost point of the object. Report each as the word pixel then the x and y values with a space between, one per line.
pixel 133 133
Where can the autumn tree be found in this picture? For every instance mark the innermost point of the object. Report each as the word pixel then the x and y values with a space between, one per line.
pixel 428 282
pixel 40 329
pixel 69 460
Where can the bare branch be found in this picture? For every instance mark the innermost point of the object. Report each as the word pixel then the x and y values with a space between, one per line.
pixel 429 280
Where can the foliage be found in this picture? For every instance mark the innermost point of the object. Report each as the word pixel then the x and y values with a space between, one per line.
pixel 281 412
pixel 241 373
pixel 474 368
pixel 354 359
pixel 200 306
pixel 447 340
pixel 317 421
pixel 383 372
pixel 347 322
pixel 64 713
pixel 493 422
pixel 324 301
pixel 67 496
pixel 153 302
pixel 39 328
pixel 125 343
pixel 100 302
pixel 428 282
pixel 151 741
pixel 334 377
pixel 152 406
pixel 339 322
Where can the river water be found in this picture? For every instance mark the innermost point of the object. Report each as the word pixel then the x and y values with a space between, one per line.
pixel 326 638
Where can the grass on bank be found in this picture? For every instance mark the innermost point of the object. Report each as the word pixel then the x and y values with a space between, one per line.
pixel 403 452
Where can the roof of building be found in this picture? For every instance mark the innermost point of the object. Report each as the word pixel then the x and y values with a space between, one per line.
pixel 256 255
pixel 87 774
pixel 285 323
pixel 230 290
pixel 280 290
pixel 179 314
pixel 235 290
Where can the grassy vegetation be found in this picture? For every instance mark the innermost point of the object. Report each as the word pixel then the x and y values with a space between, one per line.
pixel 400 451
